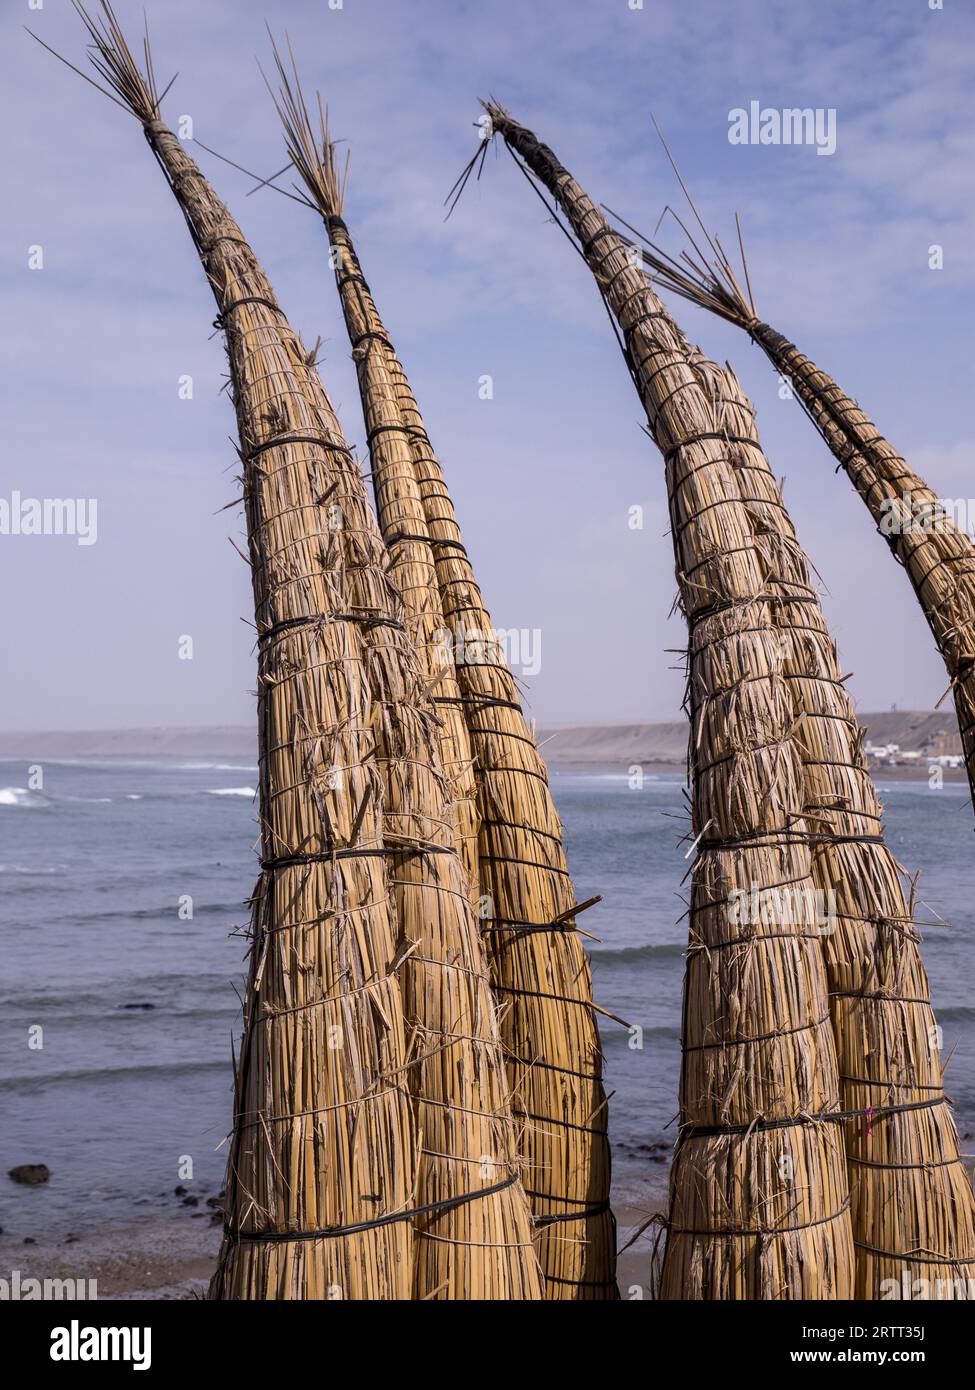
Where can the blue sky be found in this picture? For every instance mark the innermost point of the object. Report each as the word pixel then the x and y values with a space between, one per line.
pixel 544 474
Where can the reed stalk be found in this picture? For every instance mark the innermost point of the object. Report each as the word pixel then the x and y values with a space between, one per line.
pixel 911 1200
pixel 540 973
pixel 374 1152
pixel 759 1195
pixel 936 553
pixel 912 1207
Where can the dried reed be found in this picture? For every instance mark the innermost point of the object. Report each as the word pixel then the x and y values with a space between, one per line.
pixel 936 553
pixel 912 1204
pixel 759 1196
pixel 912 1209
pixel 330 1177
pixel 540 972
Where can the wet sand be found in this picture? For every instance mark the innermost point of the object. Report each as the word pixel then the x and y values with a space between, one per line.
pixel 167 1259
pixel 173 1257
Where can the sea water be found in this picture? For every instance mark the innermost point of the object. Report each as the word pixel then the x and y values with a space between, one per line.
pixel 136 999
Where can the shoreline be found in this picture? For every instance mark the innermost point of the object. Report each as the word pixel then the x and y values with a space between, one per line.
pixel 172 1259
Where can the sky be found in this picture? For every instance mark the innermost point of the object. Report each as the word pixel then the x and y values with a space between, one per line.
pixel 98 337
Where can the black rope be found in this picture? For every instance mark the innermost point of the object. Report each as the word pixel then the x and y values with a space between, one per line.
pixel 330 1232
pixel 552 1066
pixel 521 825
pixel 760 1037
pixel 915 1259
pixel 407 536
pixel 526 863
pixel 521 771
pixel 875 1163
pixel 368 619
pixel 283 439
pixel 760 1230
pixel 326 856
pixel 248 299
pixel 427 540
pixel 581 1283
pixel 543 994
pixel 722 604
pixel 830 1116
pixel 597 236
pixel 512 924
pixel 597 1209
pixel 877 998
pixel 376 336
pixel 707 434
pixel 482 701
pixel 377 430
pixel 641 318
pixel 565 1124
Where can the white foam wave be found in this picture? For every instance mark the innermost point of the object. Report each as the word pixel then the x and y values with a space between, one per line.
pixel 14 796
pixel 232 791
pixel 217 767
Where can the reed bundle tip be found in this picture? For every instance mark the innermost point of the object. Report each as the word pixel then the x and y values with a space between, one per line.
pixel 309 143
pixel 133 88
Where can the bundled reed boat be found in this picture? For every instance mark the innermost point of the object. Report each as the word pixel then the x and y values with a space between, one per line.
pixel 912 1203
pixel 374 1151
pixel 540 972
pixel 936 553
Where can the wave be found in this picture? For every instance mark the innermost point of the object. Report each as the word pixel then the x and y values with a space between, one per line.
pixel 19 796
pixel 613 1037
pixel 103 1015
pixel 217 767
pixel 21 1084
pixel 627 955
pixel 232 791
pixel 165 914
pixel 105 994
pixel 47 869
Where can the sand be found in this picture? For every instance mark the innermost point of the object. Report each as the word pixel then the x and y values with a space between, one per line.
pixel 172 1257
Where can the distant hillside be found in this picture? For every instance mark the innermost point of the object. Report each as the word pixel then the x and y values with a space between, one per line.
pixel 228 740
pixel 657 741
pixel 662 741
pixel 933 733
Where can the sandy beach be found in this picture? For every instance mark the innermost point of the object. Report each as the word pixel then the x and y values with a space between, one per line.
pixel 173 1256
pixel 169 1259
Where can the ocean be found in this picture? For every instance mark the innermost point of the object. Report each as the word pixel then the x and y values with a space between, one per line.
pixel 137 1001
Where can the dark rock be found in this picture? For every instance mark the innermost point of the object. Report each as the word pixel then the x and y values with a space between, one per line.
pixel 30 1173
pixel 140 1005
pixel 29 1240
pixel 71 1239
pixel 191 1201
pixel 180 1191
pixel 215 1202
